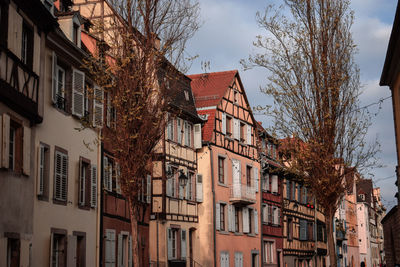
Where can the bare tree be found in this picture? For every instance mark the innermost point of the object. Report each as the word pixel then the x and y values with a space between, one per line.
pixel 314 81
pixel 137 64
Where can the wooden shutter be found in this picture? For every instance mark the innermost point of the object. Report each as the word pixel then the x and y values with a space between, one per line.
pixel 40 179
pixel 274 188
pixel 78 89
pixel 5 141
pixel 64 175
pixel 183 244
pixel 26 154
pixel 57 176
pixel 223 122
pixel 179 130
pixel 255 221
pixel 303 230
pixel 256 184
pixel 119 249
pixel 81 184
pixel 54 78
pixel 71 250
pixel 217 216
pixel 105 173
pixel 197 136
pixel 118 177
pixel 98 107
pixel 108 110
pixel 248 137
pixel 61 176
pixel 130 260
pixel 93 193
pixel 245 213
pixel 169 243
pixel 199 188
pixel 236 129
pixel 276 216
pixel 148 191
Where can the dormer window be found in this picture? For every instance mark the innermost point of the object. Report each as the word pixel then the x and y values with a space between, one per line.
pixel 186 95
pixel 361 196
pixel 75 34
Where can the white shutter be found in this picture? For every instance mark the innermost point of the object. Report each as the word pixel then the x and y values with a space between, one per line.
pixel 64 175
pixel 245 213
pixel 274 186
pixel 181 191
pixel 199 188
pixel 276 217
pixel 217 216
pixel 169 243
pixel 118 177
pixel 57 175
pixel 26 154
pixel 148 193
pixel 256 184
pixel 54 78
pixel 110 248
pixel 78 89
pixel 5 141
pixel 71 250
pixel 265 213
pixel 40 179
pixel 93 193
pixel 248 138
pixel 98 107
pixel 130 260
pixel 255 221
pixel 82 183
pixel 236 129
pixel 223 122
pixel 183 244
pixel 120 253
pixel 197 136
pixel 229 218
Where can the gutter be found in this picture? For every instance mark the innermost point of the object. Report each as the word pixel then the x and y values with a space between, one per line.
pixel 101 206
pixel 213 208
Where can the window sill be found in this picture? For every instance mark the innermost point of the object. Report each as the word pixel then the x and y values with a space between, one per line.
pixel 223 232
pixel 43 198
pixel 61 110
pixel 251 235
pixel 60 202
pixel 223 185
pixel 84 207
pixel 238 233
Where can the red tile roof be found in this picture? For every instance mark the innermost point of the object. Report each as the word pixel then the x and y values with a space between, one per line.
pixel 208 90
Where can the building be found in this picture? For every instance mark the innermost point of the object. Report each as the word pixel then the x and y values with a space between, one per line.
pixel 390 77
pixel 340 233
pixel 380 214
pixel 177 184
pixel 66 164
pixel 228 162
pixel 24 26
pixel 271 203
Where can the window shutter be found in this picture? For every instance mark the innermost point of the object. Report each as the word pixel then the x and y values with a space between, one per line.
pixel 245 213
pixel 148 193
pixel 179 130
pixel 64 175
pixel 93 195
pixel 71 250
pixel 112 238
pixel 303 230
pixel 223 126
pixel 119 249
pixel 98 107
pixel 40 180
pixel 217 216
pixel 118 177
pixel 248 138
pixel 54 78
pixel 197 136
pixel 275 210
pixel 81 185
pixel 255 178
pixel 236 129
pixel 26 154
pixel 274 186
pixel 279 216
pixel 183 244
pixel 305 195
pixel 130 251
pixel 181 191
pixel 287 189
pixel 108 110
pixel 78 88
pixel 199 188
pixel 57 176
pixel 5 141
pixel 106 178
pixel 169 243
pixel 255 221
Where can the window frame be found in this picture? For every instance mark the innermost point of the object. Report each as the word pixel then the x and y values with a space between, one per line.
pixel 221 167
pixel 44 196
pixel 228 126
pixel 222 217
pixel 249 171
pixel 27 44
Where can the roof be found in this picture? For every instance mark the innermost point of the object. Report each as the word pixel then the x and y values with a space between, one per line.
pixel 391 65
pixel 364 186
pixel 209 88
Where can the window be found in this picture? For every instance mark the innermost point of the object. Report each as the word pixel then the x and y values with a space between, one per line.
pixel 75 33
pixel 274 185
pixel 189 186
pixel 60 176
pixel 27 45
pixel 265 182
pixel 289 229
pixel 224 259
pixel 180 131
pixel 221 170
pixel 80 248
pixel 265 213
pixel 269 251
pixel 43 172
pixel 248 175
pixel 242 132
pixel 237 211
pixel 3 22
pixel 310 231
pixel 276 214
pixel 86 102
pixel 13 252
pixel 84 183
pixel 235 97
pixel 170 129
pixel 186 92
pixel 11 151
pixel 251 230
pixel 229 126
pixel 222 217
pixel 15 143
pixel 188 134
pixel 238 259
pixel 173 182
pixel 176 239
pixel 303 230
pixel 60 89
pixel 59 250
pixel 287 189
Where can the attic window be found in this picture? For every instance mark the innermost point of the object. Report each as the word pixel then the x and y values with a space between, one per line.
pixel 235 97
pixel 186 95
pixel 361 196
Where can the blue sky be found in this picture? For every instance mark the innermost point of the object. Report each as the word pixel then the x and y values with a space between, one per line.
pixel 229 28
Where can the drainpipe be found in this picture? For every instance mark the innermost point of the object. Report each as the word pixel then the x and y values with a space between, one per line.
pixel 101 206
pixel 213 197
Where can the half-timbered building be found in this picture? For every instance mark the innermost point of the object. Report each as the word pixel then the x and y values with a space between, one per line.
pixel 271 203
pixel 228 164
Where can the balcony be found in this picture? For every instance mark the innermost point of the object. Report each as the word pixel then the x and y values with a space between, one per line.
pixel 19 86
pixel 340 235
pixel 242 194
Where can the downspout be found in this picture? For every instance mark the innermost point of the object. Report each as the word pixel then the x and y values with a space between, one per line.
pixel 213 198
pixel 101 206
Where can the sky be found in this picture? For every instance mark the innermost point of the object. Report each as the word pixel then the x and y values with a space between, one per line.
pixel 226 36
